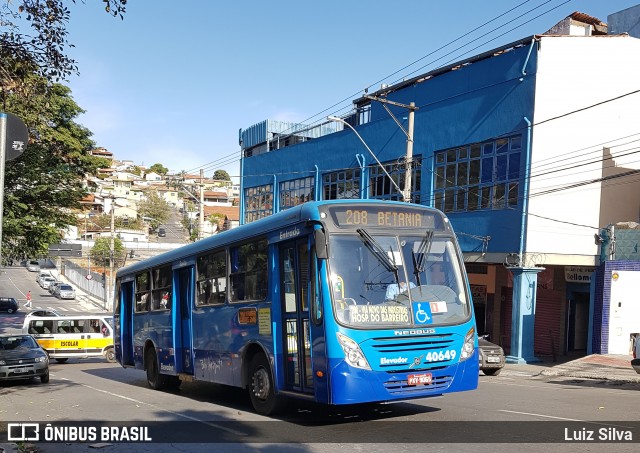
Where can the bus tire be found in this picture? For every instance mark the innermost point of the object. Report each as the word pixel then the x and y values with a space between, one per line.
pixel 261 388
pixel 110 355
pixel 155 380
pixel 62 360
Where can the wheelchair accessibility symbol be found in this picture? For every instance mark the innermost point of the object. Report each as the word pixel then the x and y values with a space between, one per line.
pixel 421 312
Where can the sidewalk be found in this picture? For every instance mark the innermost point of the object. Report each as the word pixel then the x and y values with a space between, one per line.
pixel 87 300
pixel 603 367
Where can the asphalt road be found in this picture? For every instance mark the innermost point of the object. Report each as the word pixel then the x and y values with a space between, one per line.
pixel 96 391
pixel 513 411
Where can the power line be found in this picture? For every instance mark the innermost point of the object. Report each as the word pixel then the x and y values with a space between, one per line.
pixel 349 98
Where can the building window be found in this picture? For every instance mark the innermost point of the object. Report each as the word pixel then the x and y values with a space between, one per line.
pixel 341 184
pixel 258 202
pixel 478 176
pixel 296 192
pixel 381 188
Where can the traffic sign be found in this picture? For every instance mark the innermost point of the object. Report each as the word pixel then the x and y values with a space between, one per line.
pixel 16 137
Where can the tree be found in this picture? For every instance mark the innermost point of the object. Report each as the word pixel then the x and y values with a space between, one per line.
pixel 46 182
pixel 101 251
pixel 154 209
pixel 159 168
pixel 216 219
pixel 42 49
pixel 221 175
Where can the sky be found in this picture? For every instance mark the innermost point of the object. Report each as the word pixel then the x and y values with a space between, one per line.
pixel 174 81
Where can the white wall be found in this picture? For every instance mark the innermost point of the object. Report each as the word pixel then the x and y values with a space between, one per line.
pixel 624 314
pixel 575 73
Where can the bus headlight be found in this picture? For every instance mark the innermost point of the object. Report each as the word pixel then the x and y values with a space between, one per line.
pixel 352 353
pixel 467 346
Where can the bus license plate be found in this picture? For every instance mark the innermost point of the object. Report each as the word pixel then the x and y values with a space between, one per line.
pixel 419 379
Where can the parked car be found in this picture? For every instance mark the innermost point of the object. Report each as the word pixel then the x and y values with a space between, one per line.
pixel 53 287
pixel 162 232
pixel 33 266
pixel 49 312
pixel 21 357
pixel 65 291
pixel 635 363
pixel 41 276
pixel 491 357
pixel 8 304
pixel 47 281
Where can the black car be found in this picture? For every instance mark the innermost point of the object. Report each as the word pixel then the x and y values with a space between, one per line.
pixel 491 357
pixel 21 357
pixel 162 232
pixel 8 304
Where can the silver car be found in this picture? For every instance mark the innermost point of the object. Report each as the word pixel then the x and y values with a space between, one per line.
pixel 21 357
pixel 64 291
pixel 47 281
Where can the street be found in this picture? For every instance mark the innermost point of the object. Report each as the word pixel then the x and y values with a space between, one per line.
pixel 512 408
pixel 505 407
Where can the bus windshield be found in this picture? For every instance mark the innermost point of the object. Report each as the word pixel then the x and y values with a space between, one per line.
pixel 396 280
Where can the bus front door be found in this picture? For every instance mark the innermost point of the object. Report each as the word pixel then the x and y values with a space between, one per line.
pixel 295 279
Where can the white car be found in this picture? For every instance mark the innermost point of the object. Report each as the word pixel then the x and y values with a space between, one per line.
pixel 41 276
pixel 65 291
pixel 47 281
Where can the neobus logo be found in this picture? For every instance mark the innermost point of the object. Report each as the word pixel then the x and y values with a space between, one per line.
pixel 414 332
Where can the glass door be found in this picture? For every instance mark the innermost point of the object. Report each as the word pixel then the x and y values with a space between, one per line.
pixel 295 281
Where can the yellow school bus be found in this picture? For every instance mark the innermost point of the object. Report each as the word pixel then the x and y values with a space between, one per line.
pixel 65 337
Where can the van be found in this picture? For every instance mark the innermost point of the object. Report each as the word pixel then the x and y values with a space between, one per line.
pixel 65 337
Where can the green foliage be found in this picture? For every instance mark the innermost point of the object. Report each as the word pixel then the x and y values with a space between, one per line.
pixel 101 251
pixel 159 168
pixel 34 36
pixel 46 183
pixel 221 175
pixel 154 210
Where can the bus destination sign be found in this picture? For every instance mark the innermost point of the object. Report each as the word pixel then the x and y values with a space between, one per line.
pixel 376 217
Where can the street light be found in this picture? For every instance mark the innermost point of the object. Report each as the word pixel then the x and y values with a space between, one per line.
pixel 340 120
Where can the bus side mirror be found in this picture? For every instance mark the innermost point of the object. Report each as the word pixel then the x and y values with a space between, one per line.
pixel 321 244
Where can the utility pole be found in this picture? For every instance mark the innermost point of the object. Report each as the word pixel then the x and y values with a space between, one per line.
pixel 409 169
pixel 111 253
pixel 201 226
pixel 406 193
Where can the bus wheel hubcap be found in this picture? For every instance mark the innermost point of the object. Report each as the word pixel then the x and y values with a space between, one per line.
pixel 261 384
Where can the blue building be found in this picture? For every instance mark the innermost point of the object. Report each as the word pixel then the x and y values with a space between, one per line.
pixel 526 148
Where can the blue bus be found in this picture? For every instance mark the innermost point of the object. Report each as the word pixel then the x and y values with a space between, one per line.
pixel 338 302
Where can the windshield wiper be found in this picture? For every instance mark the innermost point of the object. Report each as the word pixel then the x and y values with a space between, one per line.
pixel 423 250
pixel 376 249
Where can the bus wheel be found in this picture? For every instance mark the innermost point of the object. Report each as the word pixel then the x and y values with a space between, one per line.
pixel 62 360
pixel 110 355
pixel 155 380
pixel 261 388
